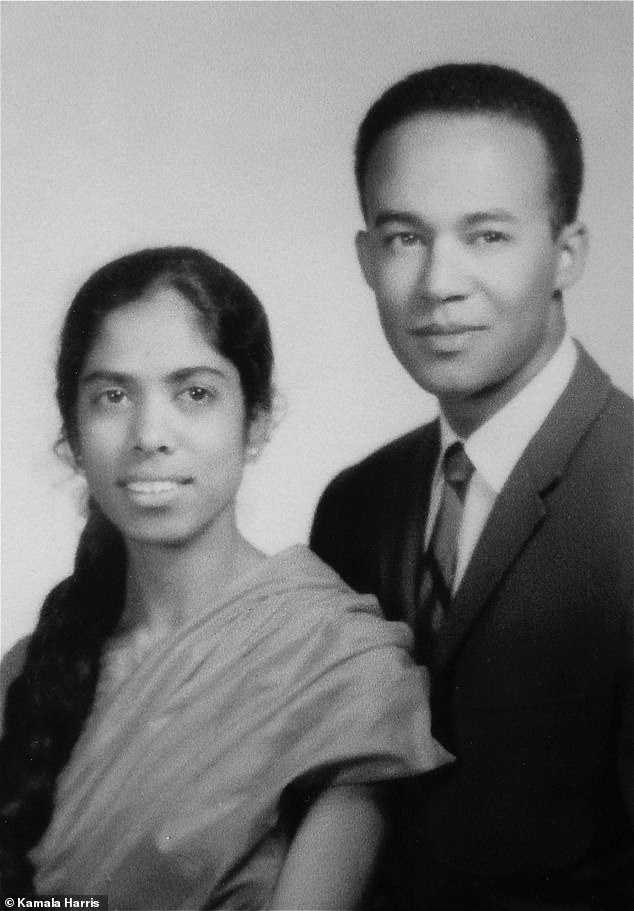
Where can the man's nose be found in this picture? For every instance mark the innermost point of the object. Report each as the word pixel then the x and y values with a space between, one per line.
pixel 443 275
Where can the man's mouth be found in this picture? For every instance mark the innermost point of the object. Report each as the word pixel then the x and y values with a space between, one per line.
pixel 435 329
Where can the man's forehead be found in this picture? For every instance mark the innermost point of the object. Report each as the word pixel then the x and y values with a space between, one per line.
pixel 459 134
pixel 483 159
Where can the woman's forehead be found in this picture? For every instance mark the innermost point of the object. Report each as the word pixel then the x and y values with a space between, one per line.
pixel 160 328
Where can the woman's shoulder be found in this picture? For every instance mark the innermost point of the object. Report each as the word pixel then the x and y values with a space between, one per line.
pixel 315 595
pixel 297 570
pixel 11 667
pixel 13 662
pixel 299 565
pixel 351 672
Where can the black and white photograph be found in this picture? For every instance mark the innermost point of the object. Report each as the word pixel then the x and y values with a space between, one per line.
pixel 317 559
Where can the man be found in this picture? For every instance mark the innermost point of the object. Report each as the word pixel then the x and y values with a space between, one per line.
pixel 502 532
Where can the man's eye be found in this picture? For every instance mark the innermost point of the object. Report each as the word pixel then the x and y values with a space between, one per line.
pixel 402 239
pixel 109 397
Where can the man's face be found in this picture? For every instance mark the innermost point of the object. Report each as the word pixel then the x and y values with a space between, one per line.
pixel 460 253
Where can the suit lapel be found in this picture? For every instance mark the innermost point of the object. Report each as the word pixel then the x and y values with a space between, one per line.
pixel 403 527
pixel 517 513
pixel 520 508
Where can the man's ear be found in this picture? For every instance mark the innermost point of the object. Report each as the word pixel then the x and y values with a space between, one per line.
pixel 365 255
pixel 572 244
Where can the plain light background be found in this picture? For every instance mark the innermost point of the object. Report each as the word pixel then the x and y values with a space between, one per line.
pixel 230 126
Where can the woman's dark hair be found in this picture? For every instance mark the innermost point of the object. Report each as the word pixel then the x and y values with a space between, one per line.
pixel 483 88
pixel 49 702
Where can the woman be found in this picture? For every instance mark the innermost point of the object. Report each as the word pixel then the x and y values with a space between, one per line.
pixel 181 688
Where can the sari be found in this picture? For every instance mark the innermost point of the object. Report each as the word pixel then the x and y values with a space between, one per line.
pixel 171 797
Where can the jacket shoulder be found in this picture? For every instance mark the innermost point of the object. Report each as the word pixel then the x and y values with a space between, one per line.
pixel 350 520
pixel 388 461
pixel 609 439
pixel 609 453
pixel 618 417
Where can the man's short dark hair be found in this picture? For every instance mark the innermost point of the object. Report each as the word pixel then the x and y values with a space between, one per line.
pixel 481 88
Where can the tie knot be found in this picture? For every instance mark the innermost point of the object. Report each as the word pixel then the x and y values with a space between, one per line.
pixel 457 469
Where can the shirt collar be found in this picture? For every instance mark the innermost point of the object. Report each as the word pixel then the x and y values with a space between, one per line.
pixel 496 447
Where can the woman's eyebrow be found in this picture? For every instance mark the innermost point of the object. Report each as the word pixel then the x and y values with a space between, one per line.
pixel 186 372
pixel 175 376
pixel 109 376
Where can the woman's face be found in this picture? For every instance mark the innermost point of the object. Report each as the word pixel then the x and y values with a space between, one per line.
pixel 161 424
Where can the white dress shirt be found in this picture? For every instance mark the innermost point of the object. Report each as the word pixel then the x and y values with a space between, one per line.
pixel 495 449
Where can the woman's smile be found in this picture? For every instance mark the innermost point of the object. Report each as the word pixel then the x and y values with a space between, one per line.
pixel 153 492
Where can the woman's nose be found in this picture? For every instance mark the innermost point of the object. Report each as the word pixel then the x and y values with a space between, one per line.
pixel 151 431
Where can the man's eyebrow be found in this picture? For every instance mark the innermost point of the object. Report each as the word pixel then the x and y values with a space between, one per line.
pixel 476 218
pixel 469 220
pixel 405 218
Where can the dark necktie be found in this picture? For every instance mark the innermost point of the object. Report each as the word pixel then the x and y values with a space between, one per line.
pixel 439 565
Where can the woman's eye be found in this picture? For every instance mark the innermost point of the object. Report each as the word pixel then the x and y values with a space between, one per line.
pixel 200 395
pixel 486 238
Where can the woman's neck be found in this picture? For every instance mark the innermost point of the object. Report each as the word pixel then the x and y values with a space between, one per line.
pixel 169 584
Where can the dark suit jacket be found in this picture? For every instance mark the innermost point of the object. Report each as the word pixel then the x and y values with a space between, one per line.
pixel 532 676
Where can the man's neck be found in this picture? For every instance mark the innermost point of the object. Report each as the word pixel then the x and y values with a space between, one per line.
pixel 465 414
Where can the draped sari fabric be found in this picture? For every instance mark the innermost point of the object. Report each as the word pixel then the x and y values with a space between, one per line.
pixel 171 798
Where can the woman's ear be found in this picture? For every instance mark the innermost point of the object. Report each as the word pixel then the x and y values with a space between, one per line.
pixel 69 451
pixel 258 435
pixel 572 244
